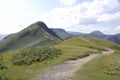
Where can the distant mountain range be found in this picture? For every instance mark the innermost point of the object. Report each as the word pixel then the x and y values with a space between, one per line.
pixel 62 33
pixel 38 34
pixel 67 34
pixel 113 38
pixel 76 33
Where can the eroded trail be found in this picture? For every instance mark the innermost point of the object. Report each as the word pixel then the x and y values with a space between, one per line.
pixel 65 70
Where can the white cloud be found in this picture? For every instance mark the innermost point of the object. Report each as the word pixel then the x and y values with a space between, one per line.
pixel 118 28
pixel 85 16
pixel 62 17
pixel 112 30
pixel 97 7
pixel 7 27
pixel 68 2
pixel 109 17
pixel 85 28
pixel 14 13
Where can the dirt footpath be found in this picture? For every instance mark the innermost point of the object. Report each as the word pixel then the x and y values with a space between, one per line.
pixel 65 70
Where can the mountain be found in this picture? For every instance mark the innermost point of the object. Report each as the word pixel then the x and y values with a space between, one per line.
pixel 97 34
pixel 37 34
pixel 2 36
pixel 112 38
pixel 62 33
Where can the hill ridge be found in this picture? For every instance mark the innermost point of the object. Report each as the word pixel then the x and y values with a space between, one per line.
pixel 36 34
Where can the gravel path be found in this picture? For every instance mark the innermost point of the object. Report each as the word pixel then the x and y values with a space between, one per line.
pixel 65 70
pixel 91 42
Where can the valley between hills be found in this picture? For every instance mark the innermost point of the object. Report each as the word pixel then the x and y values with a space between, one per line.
pixel 40 53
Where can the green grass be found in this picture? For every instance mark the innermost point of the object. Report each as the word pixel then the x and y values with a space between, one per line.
pixel 76 47
pixel 111 64
pixel 26 72
pixel 29 72
pixel 105 67
pixel 72 48
pixel 78 42
pixel 103 43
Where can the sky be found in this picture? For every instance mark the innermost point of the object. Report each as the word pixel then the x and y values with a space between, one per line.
pixel 72 15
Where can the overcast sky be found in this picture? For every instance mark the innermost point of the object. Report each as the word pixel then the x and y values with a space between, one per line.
pixel 72 15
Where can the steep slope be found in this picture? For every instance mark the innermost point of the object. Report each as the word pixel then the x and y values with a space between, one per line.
pixel 37 34
pixel 62 33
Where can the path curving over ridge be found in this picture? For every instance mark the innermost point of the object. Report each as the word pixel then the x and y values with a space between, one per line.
pixel 65 70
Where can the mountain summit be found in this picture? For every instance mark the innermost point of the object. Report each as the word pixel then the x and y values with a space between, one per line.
pixel 37 34
pixel 97 34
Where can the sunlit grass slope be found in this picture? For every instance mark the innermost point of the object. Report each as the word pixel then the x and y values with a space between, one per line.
pixel 106 67
pixel 72 48
pixel 103 43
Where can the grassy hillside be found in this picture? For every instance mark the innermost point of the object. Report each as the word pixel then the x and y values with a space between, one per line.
pixel 106 67
pixel 103 43
pixel 71 49
pixel 37 34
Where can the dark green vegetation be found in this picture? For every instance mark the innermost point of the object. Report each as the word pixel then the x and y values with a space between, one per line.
pixel 3 77
pixel 35 55
pixel 2 67
pixel 37 62
pixel 37 34
pixel 2 64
